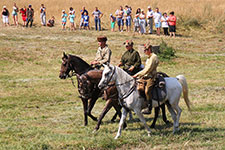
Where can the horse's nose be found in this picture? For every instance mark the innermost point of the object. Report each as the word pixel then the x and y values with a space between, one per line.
pixel 100 86
pixel 61 76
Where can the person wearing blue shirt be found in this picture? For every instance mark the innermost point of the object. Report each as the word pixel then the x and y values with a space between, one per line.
pixel 71 18
pixel 82 11
pixel 64 19
pixel 86 21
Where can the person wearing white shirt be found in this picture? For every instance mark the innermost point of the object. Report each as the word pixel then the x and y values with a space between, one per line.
pixel 157 19
pixel 165 26
pixel 142 17
pixel 150 14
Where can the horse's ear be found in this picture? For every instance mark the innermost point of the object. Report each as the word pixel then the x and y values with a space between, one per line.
pixel 64 55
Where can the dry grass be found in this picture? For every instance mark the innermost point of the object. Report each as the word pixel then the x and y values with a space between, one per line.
pixel 209 12
pixel 40 111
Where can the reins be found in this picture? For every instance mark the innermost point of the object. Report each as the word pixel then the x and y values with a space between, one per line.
pixel 126 94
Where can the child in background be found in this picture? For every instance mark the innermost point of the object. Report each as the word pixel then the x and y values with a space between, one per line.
pixel 86 21
pixel 165 26
pixel 72 17
pixel 64 19
pixel 23 12
pixel 51 22
pixel 113 20
pixel 136 23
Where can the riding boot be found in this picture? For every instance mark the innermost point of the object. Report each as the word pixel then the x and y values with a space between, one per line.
pixel 148 93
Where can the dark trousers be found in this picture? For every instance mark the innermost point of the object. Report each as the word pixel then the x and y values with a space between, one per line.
pixel 97 24
pixel 165 31
pixel 30 20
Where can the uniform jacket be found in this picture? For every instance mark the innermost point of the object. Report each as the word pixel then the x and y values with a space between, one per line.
pixel 150 67
pixel 131 58
pixel 103 55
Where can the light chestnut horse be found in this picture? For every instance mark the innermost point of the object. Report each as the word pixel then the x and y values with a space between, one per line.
pixel 130 98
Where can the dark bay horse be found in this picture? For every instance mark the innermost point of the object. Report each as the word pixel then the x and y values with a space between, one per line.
pixel 80 67
pixel 88 79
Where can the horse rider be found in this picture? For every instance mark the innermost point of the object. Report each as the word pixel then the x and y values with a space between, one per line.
pixel 103 54
pixel 130 60
pixel 148 74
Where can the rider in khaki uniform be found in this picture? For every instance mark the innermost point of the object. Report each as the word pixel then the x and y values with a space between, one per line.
pixel 103 54
pixel 149 72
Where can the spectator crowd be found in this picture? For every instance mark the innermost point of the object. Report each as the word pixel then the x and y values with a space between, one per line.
pixel 142 22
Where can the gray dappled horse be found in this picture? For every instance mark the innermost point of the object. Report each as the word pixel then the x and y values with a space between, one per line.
pixel 130 98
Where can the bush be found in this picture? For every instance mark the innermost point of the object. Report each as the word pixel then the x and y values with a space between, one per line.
pixel 166 53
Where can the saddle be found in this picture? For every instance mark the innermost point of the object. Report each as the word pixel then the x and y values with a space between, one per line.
pixel 159 87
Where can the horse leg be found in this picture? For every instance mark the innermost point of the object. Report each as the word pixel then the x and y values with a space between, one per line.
pixel 155 118
pixel 178 110
pixel 142 119
pixel 85 105
pixel 130 116
pixel 173 114
pixel 118 111
pixel 164 114
pixel 122 120
pixel 91 105
pixel 107 107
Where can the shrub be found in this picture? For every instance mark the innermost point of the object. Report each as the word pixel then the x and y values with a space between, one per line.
pixel 166 53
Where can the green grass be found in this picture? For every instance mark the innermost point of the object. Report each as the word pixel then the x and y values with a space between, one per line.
pixel 40 111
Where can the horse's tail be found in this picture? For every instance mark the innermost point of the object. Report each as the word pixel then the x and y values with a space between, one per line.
pixel 183 82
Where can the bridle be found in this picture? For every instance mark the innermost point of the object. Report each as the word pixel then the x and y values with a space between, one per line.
pixel 126 94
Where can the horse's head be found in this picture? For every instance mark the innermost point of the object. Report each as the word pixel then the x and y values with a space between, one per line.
pixel 107 76
pixel 65 67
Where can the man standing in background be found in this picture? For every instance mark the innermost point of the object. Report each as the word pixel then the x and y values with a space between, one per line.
pixel 97 14
pixel 43 15
pixel 30 16
pixel 157 19
pixel 150 19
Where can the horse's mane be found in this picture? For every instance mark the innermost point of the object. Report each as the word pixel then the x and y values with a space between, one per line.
pixel 81 65
pixel 123 74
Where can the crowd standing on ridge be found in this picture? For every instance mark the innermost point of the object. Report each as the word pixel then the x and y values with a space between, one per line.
pixel 142 22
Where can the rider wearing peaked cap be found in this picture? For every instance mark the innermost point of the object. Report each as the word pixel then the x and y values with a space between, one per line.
pixel 149 72
pixel 103 54
pixel 130 60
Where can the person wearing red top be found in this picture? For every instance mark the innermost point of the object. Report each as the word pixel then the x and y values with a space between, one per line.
pixel 172 24
pixel 23 12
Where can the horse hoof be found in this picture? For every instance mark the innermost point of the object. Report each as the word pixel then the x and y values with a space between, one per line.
pixel 152 126
pixel 167 122
pixel 149 134
pixel 116 137
pixel 113 121
pixel 95 130
pixel 124 126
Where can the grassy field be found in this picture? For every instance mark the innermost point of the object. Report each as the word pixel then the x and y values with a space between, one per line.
pixel 40 111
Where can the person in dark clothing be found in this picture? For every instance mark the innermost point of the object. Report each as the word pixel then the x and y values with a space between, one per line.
pixel 51 22
pixel 30 16
pixel 130 60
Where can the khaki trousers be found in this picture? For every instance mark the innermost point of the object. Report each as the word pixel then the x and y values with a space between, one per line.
pixel 148 88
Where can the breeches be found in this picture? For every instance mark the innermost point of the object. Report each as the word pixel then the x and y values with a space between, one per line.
pixel 148 88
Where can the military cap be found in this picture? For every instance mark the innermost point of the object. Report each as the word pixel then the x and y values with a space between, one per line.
pixel 102 39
